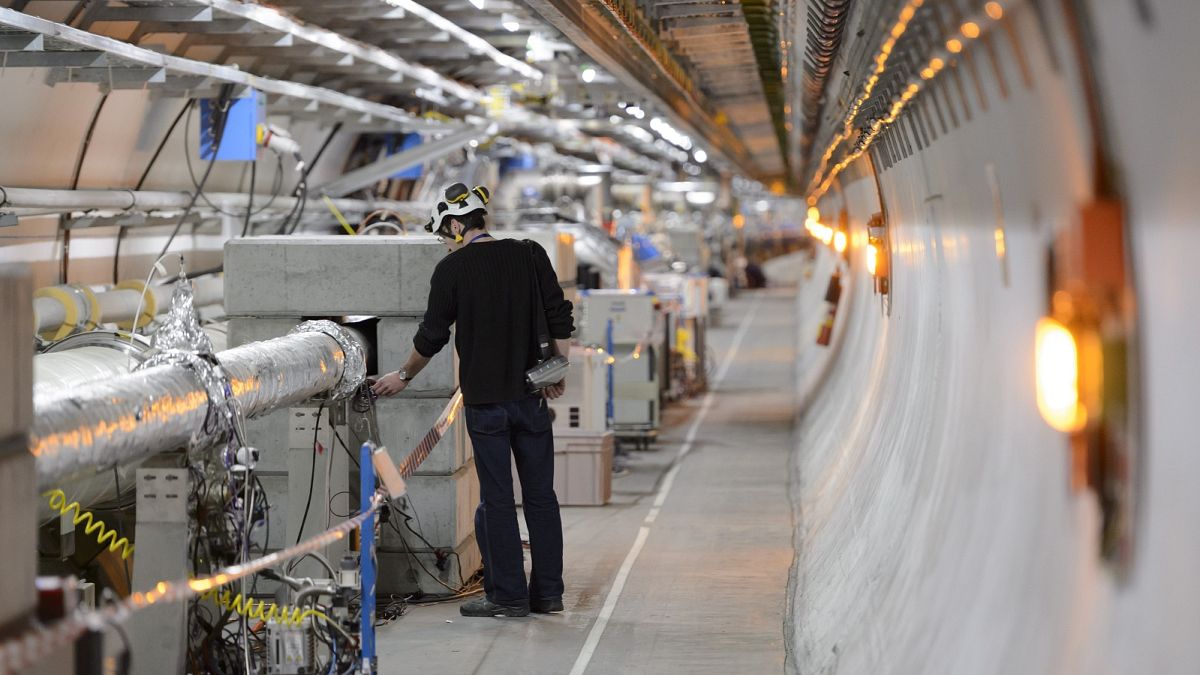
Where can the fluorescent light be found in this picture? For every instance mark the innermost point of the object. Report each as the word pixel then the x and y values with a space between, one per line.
pixel 700 155
pixel 588 74
pixel 701 198
pixel 510 23
pixel 590 180
pixel 476 43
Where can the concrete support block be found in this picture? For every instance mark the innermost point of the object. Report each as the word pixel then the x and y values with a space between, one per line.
pixel 329 275
pixel 442 509
pixel 18 483
pixel 395 343
pixel 400 573
pixel 403 423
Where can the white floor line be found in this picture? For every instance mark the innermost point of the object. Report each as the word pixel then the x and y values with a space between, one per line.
pixel 614 593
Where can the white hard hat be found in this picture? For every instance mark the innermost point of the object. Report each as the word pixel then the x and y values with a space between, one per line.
pixel 457 200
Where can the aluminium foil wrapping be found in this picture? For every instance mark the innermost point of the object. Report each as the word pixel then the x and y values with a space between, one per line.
pixel 95 426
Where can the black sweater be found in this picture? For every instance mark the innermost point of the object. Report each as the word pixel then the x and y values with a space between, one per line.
pixel 485 289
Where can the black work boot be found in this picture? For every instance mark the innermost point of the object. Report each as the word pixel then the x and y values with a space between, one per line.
pixel 481 606
pixel 546 605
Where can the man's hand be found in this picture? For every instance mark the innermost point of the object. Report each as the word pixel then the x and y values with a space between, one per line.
pixel 555 390
pixel 389 385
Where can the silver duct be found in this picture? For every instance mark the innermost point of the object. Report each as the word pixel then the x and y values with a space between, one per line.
pixel 178 404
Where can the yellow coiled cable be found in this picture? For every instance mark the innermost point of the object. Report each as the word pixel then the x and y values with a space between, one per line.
pixel 260 609
pixel 58 502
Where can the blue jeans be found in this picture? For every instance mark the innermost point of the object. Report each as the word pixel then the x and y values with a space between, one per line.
pixel 521 430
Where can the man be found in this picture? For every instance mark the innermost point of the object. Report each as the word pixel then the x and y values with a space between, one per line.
pixel 485 288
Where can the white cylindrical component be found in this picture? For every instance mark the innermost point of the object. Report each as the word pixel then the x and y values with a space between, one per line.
pixel 33 201
pixel 48 313
pixel 57 372
pixel 127 418
pixel 119 305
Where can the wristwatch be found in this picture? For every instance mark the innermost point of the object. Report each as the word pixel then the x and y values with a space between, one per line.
pixel 403 374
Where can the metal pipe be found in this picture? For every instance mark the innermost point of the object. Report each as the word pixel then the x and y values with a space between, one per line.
pixel 120 304
pixel 35 201
pixel 427 151
pixel 165 407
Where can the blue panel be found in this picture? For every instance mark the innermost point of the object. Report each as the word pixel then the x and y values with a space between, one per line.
pixel 643 250
pixel 240 141
pixel 407 142
pixel 518 163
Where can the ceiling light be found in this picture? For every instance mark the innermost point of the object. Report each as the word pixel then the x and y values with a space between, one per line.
pixel 588 74
pixel 510 23
pixel 701 198
pixel 700 155
pixel 614 119
pixel 478 3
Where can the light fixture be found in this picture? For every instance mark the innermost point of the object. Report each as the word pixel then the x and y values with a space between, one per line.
pixel 839 241
pixel 588 74
pixel 701 198
pixel 538 49
pixel 1057 370
pixel 478 3
pixel 814 214
pixel 613 119
pixel 872 259
pixel 700 155
pixel 510 23
pixel 590 180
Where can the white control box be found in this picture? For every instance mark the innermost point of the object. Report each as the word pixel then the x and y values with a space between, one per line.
pixel 632 315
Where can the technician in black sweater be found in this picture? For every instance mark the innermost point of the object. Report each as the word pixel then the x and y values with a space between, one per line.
pixel 485 288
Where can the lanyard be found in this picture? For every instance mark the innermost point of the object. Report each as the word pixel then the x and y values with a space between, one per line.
pixel 472 240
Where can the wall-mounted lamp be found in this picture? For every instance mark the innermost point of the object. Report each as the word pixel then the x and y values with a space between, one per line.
pixel 878 254
pixel 1086 373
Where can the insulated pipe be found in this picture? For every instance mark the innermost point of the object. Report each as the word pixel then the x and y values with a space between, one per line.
pixel 124 419
pixel 32 201
pixel 53 311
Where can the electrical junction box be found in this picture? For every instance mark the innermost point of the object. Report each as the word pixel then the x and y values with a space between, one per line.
pixel 689 290
pixel 240 140
pixel 583 406
pixel 631 313
pixel 400 143
pixel 289 649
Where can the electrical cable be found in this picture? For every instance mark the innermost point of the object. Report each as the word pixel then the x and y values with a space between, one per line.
pixel 221 118
pixel 142 181
pixel 250 197
pixel 121 530
pixel 317 157
pixel 311 475
pixel 64 267
pixel 276 189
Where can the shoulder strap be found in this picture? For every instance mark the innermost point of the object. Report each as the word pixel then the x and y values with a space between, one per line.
pixel 541 330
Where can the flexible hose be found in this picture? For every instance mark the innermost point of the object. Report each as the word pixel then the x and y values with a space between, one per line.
pixel 58 502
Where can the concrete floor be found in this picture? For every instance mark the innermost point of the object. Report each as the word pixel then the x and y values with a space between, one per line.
pixel 686 570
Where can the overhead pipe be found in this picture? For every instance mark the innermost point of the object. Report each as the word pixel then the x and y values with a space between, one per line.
pixel 124 419
pixel 60 311
pixel 41 201
pixel 429 150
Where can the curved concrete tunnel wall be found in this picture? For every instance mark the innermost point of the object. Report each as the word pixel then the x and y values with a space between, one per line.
pixel 937 530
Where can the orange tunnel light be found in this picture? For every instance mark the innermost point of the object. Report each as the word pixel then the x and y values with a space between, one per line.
pixel 1057 366
pixel 872 258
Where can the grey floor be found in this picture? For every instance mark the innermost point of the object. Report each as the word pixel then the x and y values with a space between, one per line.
pixel 705 593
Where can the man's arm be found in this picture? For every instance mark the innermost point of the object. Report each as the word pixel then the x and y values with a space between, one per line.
pixel 432 334
pixel 391 384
